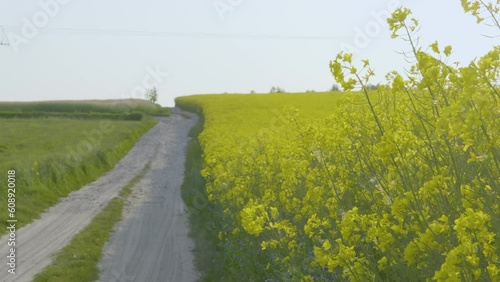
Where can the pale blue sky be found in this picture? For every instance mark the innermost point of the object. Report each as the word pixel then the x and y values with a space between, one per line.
pixel 100 49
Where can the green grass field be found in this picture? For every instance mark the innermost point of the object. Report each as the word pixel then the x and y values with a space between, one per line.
pixel 55 156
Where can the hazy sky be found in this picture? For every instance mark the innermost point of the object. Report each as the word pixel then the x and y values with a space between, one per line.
pixel 74 49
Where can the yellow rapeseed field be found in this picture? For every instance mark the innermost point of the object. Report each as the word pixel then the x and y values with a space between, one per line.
pixel 401 184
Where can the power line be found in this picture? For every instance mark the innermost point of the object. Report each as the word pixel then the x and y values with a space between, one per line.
pixel 197 34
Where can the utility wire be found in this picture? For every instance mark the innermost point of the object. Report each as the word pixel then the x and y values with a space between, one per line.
pixel 196 34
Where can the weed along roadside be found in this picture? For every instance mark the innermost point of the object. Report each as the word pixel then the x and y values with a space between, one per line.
pixel 208 258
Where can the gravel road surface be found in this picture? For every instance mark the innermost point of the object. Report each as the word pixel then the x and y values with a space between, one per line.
pixel 151 243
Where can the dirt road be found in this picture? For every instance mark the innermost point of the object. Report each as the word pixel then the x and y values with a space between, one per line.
pixel 152 242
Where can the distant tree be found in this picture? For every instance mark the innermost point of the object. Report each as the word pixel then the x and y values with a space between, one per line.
pixel 310 91
pixel 277 89
pixel 335 87
pixel 152 95
pixel 252 92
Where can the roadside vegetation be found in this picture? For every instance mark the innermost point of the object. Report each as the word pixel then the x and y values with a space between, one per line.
pixel 398 182
pixel 55 156
pixel 203 230
pixel 77 262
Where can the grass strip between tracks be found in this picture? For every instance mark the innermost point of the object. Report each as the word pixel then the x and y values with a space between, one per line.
pixel 77 262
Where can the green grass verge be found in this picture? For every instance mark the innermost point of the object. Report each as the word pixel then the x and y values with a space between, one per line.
pixel 77 262
pixel 203 230
pixel 42 153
